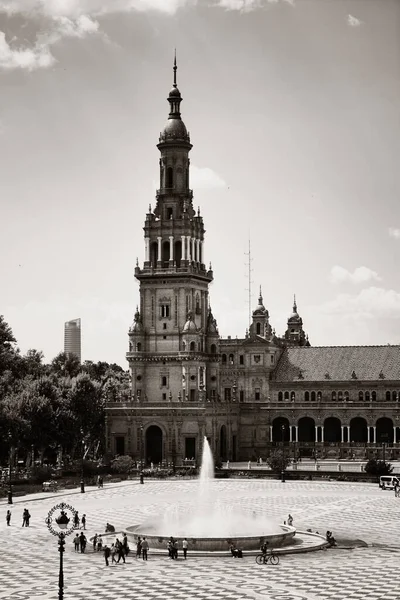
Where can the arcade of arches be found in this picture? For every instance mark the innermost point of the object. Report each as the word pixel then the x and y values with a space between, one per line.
pixel 332 430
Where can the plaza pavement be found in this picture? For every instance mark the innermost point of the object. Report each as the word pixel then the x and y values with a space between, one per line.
pixel 353 511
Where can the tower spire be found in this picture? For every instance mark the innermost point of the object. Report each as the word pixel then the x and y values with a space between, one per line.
pixel 175 69
pixel 294 303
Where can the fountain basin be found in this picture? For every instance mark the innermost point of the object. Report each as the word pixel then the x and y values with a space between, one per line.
pixel 215 544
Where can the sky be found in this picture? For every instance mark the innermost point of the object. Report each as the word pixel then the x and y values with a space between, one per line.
pixel 293 107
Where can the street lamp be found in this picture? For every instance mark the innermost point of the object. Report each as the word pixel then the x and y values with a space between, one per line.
pixel 9 493
pixel 283 453
pixel 60 527
pixel 82 474
pixel 384 451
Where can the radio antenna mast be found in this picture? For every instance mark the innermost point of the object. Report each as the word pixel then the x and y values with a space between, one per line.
pixel 249 281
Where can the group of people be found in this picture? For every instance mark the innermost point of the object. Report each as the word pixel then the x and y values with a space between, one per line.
pixel 172 548
pixel 80 542
pixel 79 522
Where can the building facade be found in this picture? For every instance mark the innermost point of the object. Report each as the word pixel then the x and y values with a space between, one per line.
pixel 246 395
pixel 72 337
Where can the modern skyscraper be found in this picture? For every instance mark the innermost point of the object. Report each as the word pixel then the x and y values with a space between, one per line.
pixel 72 337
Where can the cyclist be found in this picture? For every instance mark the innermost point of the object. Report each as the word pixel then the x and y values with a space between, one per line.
pixel 264 548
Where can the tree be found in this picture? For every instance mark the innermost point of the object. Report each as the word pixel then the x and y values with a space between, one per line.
pixel 122 464
pixel 9 353
pixel 32 363
pixel 378 467
pixel 86 403
pixel 278 461
pixel 65 365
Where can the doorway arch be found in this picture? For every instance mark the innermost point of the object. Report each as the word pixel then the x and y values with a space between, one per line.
pixel 332 430
pixel 358 430
pixel 384 430
pixel 154 444
pixel 306 429
pixel 277 429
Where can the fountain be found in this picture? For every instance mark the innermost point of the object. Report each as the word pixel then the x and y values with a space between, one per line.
pixel 210 522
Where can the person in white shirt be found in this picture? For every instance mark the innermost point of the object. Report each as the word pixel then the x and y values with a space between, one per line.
pixel 185 548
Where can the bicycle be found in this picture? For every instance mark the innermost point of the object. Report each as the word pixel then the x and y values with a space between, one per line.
pixel 270 557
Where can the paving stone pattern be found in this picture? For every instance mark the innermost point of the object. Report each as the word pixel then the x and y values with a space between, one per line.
pixel 29 558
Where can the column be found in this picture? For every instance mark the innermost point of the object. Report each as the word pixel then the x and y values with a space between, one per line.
pixel 270 433
pixel 368 434
pixel 146 249
pixel 322 433
pixel 198 250
pixel 342 440
pixel 316 433
pixel 201 260
pixel 348 433
pixel 183 238
pixel 297 433
pixel 171 249
pixel 159 249
pixel 374 436
pixel 193 243
pixel 394 435
pixel 188 247
pixel 290 433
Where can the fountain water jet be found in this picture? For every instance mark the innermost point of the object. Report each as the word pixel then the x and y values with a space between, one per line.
pixel 209 522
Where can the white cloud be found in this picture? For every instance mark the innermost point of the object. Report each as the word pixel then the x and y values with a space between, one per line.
pixel 249 5
pixel 360 275
pixel 372 302
pixel 205 178
pixel 394 232
pixel 37 57
pixel 76 8
pixel 353 21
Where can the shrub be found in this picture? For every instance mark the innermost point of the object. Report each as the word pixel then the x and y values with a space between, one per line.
pixel 278 461
pixel 39 474
pixel 378 467
pixel 123 464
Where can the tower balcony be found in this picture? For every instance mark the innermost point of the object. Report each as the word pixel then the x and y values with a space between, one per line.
pixel 174 192
pixel 190 268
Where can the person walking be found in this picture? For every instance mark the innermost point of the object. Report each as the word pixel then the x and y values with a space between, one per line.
pixel 99 543
pixel 95 542
pixel 82 542
pixel 120 552
pixel 25 518
pixel 113 553
pixel 138 547
pixel 145 547
pixel 107 553
pixel 76 520
pixel 185 548
pixel 76 542
pixel 8 517
pixel 83 521
pixel 125 544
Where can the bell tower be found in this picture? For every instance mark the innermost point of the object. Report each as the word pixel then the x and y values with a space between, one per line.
pixel 171 325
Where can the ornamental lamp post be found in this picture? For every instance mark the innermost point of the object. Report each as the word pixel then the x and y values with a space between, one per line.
pixel 82 473
pixel 283 453
pixel 60 527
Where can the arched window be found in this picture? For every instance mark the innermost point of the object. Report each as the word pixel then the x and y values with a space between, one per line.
pixel 334 396
pixel 319 396
pixel 361 396
pixel 280 396
pixel 286 396
pixel 192 347
pixel 346 396
pixel 373 396
pixel 388 396
pixel 223 358
pixel 130 346
pixel 340 396
pixel 170 178
pixel 138 347
pixel 367 397
pixel 312 396
pixel 307 396
pixel 231 359
pixel 292 396
pixel 394 396
pixel 163 381
pixel 184 346
pixel 258 328
pixel 213 349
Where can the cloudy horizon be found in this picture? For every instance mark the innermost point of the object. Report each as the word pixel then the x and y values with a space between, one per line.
pixel 293 107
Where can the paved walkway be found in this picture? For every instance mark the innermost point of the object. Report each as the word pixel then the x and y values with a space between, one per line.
pixel 29 556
